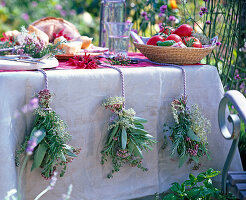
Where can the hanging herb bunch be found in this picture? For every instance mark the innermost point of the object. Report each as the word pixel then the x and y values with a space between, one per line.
pixel 189 132
pixel 126 137
pixel 52 151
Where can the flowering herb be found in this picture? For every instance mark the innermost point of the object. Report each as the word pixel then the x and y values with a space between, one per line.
pixel 189 133
pixel 84 62
pixel 127 138
pixel 119 60
pixel 4 45
pixel 50 148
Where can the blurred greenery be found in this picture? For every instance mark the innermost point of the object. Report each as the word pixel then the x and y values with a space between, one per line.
pixel 83 14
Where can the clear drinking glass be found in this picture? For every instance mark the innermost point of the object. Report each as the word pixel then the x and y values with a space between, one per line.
pixel 118 37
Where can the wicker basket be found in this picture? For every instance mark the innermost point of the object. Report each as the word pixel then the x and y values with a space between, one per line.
pixel 173 55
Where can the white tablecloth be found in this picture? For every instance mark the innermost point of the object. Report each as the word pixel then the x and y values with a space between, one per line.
pixel 78 98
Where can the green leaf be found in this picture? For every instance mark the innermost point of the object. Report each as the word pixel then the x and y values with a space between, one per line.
pixel 139 126
pixel 69 153
pixel 201 177
pixel 192 177
pixel 194 192
pixel 136 150
pixel 175 187
pixel 112 134
pixel 192 135
pixel 40 137
pixel 188 183
pixel 183 159
pixel 63 158
pixel 139 120
pixel 39 155
pixel 171 197
pixel 123 138
pixel 195 158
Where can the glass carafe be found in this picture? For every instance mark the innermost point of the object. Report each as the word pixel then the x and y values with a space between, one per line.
pixel 111 11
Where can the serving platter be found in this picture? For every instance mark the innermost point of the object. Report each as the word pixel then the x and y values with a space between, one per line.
pixel 92 50
pixel 26 64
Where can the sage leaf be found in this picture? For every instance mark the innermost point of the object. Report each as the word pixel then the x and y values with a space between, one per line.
pixel 39 155
pixel 69 153
pixel 40 137
pixel 139 120
pixel 192 135
pixel 123 138
pixel 63 158
pixel 112 134
pixel 183 159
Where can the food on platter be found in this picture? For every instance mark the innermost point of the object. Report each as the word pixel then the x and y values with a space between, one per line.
pixel 12 34
pixel 86 41
pixel 174 37
pixel 51 25
pixel 40 34
pixel 60 40
pixel 72 47
pixel 184 30
pixel 192 42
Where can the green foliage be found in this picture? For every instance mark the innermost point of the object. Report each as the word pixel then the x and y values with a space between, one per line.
pixel 197 188
pixel 52 150
pixel 126 138
pixel 189 133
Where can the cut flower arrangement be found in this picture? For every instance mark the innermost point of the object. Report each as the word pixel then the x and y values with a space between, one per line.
pixel 189 132
pixel 126 138
pixel 51 148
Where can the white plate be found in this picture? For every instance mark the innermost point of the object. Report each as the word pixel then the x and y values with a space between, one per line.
pixel 14 65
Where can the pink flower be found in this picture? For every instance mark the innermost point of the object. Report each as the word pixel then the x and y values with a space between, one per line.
pixel 58 7
pixel 163 8
pixel 172 18
pixel 72 12
pixel 25 16
pixel 34 4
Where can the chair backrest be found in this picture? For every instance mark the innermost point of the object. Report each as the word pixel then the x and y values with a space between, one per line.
pixel 239 102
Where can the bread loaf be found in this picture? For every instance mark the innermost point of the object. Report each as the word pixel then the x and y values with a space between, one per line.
pixel 40 34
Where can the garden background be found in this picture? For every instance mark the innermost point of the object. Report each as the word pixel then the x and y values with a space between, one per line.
pixel 223 18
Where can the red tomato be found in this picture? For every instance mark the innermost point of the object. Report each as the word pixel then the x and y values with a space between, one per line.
pixel 192 42
pixel 155 39
pixel 184 30
pixel 174 37
pixel 167 30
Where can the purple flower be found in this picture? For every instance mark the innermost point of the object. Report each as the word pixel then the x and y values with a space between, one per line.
pixel 53 181
pixel 144 14
pixel 204 9
pixel 135 31
pixel 72 12
pixel 34 4
pixel 208 22
pixel 3 3
pixel 237 77
pixel 172 18
pixel 31 144
pixel 25 16
pixel 160 14
pixel 34 103
pixel 205 0
pixel 160 25
pixel 218 43
pixel 242 86
pixel 201 13
pixel 163 8
pixel 63 13
pixel 146 18
pixel 58 7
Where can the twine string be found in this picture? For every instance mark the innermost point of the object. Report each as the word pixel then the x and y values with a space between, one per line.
pixel 122 80
pixel 45 77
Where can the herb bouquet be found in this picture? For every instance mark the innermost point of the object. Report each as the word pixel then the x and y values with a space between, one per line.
pixel 127 138
pixel 189 132
pixel 51 148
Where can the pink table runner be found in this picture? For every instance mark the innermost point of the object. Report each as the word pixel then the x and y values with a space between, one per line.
pixel 143 62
